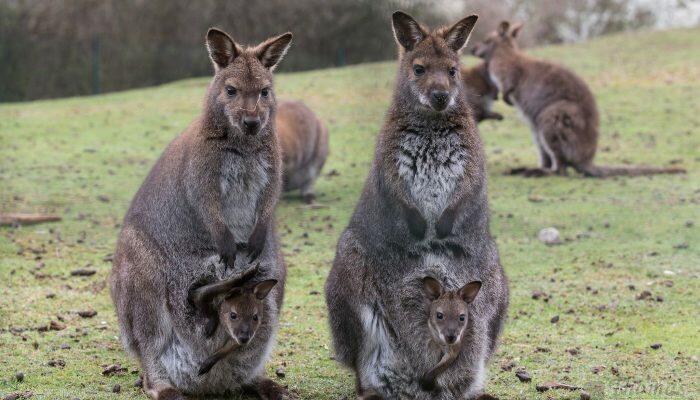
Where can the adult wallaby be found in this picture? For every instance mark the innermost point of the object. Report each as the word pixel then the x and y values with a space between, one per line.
pixel 481 92
pixel 448 319
pixel 423 211
pixel 212 193
pixel 559 106
pixel 304 141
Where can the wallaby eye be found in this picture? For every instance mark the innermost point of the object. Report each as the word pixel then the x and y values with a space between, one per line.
pixel 255 317
pixel 440 316
pixel 233 315
pixel 453 71
pixel 230 91
pixel 418 70
pixel 265 92
pixel 462 317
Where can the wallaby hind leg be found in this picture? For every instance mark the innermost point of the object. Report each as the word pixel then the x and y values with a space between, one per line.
pixel 308 194
pixel 268 389
pixel 160 389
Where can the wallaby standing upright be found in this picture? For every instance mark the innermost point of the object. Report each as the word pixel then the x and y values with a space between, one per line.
pixel 212 193
pixel 423 211
pixel 481 92
pixel 304 141
pixel 559 106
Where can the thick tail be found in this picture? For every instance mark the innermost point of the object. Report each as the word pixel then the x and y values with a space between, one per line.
pixel 605 172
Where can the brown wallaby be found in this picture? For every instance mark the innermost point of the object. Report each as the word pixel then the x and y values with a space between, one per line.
pixel 304 141
pixel 481 92
pixel 558 105
pixel 240 310
pixel 210 195
pixel 423 210
pixel 448 319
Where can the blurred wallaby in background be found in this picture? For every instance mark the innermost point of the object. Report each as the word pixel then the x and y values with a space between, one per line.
pixel 558 105
pixel 304 141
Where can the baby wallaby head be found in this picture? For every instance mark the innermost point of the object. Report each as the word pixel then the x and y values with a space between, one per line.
pixel 449 310
pixel 241 90
pixel 429 60
pixel 242 310
pixel 503 37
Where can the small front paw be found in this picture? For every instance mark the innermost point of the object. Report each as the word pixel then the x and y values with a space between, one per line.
pixel 210 327
pixel 427 384
pixel 416 224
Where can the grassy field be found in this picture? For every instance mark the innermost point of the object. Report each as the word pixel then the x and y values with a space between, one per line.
pixel 84 158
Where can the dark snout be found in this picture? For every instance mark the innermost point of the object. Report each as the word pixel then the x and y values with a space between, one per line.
pixel 439 99
pixel 451 338
pixel 243 337
pixel 251 125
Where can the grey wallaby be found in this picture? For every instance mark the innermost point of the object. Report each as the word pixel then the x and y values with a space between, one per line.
pixel 304 141
pixel 423 211
pixel 481 92
pixel 559 106
pixel 204 212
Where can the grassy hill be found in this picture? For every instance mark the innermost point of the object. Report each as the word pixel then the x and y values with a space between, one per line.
pixel 84 158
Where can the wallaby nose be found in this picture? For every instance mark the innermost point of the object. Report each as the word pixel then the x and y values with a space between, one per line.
pixel 244 338
pixel 439 99
pixel 451 339
pixel 252 124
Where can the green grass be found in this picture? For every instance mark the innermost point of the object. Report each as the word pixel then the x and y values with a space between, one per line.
pixel 59 156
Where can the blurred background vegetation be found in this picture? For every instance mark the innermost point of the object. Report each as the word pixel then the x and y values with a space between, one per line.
pixel 57 48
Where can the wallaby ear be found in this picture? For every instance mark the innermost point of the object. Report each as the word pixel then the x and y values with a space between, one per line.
pixel 469 291
pixel 407 31
pixel 432 288
pixel 458 35
pixel 516 29
pixel 503 28
pixel 262 289
pixel 271 51
pixel 222 49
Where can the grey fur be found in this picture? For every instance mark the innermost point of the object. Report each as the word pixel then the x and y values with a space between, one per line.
pixel 213 187
pixel 423 211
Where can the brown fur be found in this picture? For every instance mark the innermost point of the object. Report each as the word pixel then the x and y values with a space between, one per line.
pixel 448 319
pixel 304 141
pixel 558 104
pixel 210 196
pixel 481 92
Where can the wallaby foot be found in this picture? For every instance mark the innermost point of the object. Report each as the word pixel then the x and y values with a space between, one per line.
pixel 160 391
pixel 268 389
pixel 529 172
pixel 308 198
pixel 493 115
pixel 485 396
pixel 369 395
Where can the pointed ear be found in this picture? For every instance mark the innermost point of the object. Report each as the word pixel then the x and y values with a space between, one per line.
pixel 222 49
pixel 469 291
pixel 271 51
pixel 262 289
pixel 407 31
pixel 516 29
pixel 432 288
pixel 503 28
pixel 458 35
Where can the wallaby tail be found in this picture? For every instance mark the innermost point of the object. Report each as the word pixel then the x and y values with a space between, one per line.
pixel 605 172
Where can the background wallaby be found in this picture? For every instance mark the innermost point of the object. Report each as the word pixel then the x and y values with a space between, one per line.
pixel 213 191
pixel 558 105
pixel 304 141
pixel 481 92
pixel 447 320
pixel 423 211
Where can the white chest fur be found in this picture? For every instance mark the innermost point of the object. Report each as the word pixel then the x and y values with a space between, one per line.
pixel 431 164
pixel 242 181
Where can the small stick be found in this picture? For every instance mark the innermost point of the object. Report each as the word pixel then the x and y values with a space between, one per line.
pixel 26 219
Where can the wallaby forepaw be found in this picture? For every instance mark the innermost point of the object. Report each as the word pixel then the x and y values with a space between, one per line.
pixel 427 384
pixel 210 327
